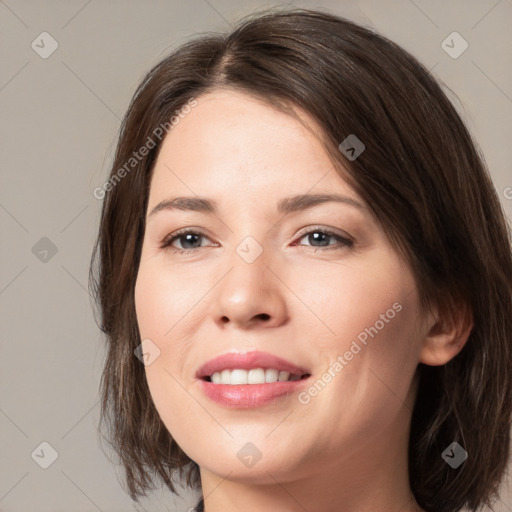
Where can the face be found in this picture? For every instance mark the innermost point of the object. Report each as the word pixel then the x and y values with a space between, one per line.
pixel 316 284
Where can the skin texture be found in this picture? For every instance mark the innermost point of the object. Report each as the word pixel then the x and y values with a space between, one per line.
pixel 346 449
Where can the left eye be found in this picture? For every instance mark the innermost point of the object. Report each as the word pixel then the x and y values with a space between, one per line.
pixel 321 235
pixel 317 235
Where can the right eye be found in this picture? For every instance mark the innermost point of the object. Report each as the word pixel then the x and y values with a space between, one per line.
pixel 185 236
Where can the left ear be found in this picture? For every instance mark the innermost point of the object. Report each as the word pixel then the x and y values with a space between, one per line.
pixel 447 334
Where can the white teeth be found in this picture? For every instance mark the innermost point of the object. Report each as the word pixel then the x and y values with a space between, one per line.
pixel 252 376
pixel 226 377
pixel 238 377
pixel 271 375
pixel 283 376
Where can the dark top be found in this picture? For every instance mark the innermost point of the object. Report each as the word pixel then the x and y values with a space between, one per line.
pixel 200 506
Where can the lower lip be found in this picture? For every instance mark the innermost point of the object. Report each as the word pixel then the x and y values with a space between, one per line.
pixel 247 396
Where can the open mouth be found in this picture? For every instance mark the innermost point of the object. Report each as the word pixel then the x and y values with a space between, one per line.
pixel 253 376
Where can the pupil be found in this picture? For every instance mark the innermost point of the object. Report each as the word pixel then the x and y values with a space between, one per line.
pixel 318 235
pixel 188 236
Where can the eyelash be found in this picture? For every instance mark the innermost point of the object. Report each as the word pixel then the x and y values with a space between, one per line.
pixel 167 241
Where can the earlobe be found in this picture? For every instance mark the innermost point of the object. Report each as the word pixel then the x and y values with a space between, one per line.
pixel 446 336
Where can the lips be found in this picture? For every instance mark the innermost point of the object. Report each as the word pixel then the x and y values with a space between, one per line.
pixel 248 361
pixel 248 396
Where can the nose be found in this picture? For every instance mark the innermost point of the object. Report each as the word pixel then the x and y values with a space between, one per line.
pixel 250 295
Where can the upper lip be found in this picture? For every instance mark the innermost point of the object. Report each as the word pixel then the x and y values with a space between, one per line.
pixel 247 361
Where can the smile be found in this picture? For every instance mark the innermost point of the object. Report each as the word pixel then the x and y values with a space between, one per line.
pixel 252 376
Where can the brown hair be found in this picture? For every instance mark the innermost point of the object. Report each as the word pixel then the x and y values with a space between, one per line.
pixel 424 180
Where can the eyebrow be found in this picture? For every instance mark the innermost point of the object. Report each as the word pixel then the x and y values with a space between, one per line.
pixel 286 205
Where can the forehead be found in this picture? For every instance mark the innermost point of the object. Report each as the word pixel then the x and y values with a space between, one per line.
pixel 234 143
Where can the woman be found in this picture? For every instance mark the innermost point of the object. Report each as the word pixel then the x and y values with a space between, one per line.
pixel 337 336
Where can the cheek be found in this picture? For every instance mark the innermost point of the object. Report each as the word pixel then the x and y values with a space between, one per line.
pixel 167 310
pixel 370 299
pixel 370 316
pixel 161 305
pixel 164 299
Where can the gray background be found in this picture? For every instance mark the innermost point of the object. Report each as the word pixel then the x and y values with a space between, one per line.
pixel 60 119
